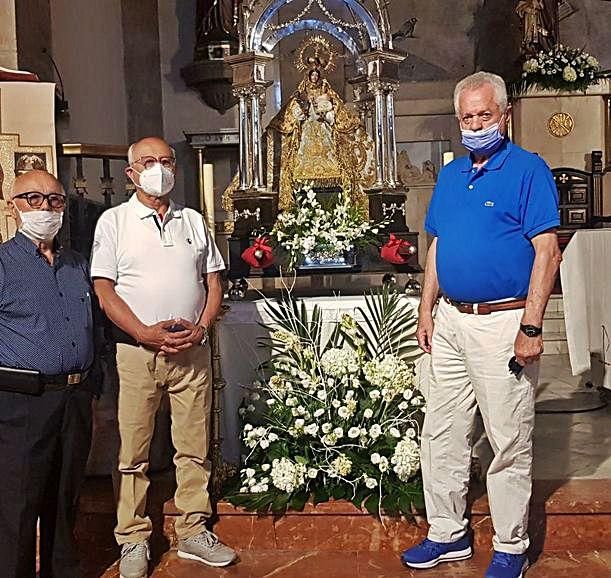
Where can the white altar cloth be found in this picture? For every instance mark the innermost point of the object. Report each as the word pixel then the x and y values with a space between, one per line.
pixel 239 332
pixel 586 287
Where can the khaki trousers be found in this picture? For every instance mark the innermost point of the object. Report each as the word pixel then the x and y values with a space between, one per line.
pixel 469 361
pixel 143 378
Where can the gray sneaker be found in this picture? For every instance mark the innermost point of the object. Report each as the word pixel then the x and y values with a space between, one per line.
pixel 205 547
pixel 134 560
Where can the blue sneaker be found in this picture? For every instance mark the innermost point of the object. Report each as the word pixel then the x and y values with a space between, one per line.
pixel 428 553
pixel 506 565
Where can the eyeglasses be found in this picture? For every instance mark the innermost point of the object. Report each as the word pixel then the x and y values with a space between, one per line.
pixel 148 162
pixel 36 199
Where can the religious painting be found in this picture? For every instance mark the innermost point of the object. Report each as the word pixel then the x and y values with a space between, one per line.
pixel 14 160
pixel 30 161
pixel 419 162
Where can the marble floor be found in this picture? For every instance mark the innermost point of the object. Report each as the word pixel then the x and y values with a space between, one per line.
pixel 567 446
pixel 572 445
pixel 279 564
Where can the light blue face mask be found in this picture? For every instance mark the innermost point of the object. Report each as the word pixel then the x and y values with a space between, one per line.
pixel 483 142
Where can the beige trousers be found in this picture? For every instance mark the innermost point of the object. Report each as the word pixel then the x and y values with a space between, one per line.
pixel 468 370
pixel 143 378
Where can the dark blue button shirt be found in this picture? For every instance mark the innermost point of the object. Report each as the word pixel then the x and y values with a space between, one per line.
pixel 45 310
pixel 484 221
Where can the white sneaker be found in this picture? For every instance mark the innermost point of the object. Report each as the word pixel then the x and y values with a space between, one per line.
pixel 205 547
pixel 134 560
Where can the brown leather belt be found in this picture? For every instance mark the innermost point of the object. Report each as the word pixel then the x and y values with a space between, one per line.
pixel 486 308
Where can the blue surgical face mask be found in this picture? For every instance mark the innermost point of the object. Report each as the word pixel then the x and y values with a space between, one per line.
pixel 483 142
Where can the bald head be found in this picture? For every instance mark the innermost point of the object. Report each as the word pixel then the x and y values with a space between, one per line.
pixel 149 146
pixel 36 181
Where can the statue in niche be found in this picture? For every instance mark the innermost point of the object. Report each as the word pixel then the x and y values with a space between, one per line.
pixel 539 24
pixel 216 20
pixel 320 140
pixel 410 174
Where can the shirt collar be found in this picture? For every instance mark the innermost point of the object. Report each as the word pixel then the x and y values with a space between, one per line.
pixel 143 211
pixel 30 247
pixel 494 163
pixel 25 243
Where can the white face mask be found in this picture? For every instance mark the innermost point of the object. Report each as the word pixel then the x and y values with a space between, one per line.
pixel 157 181
pixel 41 225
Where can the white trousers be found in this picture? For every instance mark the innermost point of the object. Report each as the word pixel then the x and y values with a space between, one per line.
pixel 469 369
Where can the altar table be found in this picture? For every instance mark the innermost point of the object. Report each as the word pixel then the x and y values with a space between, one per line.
pixel 585 273
pixel 239 332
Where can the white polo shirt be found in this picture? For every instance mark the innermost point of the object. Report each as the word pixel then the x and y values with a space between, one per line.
pixel 158 267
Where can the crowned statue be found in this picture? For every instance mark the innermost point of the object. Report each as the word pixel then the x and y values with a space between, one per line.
pixel 320 140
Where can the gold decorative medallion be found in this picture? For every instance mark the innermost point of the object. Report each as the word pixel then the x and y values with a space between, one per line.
pixel 560 124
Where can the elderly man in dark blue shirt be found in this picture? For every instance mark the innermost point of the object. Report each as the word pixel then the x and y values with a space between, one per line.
pixel 46 351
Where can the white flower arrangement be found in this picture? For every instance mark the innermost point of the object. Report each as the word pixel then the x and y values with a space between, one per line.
pixel 330 232
pixel 359 440
pixel 561 68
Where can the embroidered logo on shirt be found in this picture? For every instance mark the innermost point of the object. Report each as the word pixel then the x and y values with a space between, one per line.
pixel 489 204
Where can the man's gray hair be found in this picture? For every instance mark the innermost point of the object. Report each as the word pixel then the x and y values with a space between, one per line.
pixel 130 153
pixel 478 80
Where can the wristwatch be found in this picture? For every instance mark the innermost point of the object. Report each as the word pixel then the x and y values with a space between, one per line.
pixel 204 339
pixel 531 330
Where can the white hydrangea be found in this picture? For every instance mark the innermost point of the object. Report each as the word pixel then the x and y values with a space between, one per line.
pixel 287 475
pixel 569 74
pixel 531 65
pixel 339 362
pixel 406 459
pixel 390 373
pixel 341 465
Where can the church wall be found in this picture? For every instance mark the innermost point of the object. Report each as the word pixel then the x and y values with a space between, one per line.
pixel 183 110
pixel 588 27
pixel 8 35
pixel 88 49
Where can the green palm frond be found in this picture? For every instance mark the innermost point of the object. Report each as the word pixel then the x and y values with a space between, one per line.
pixel 390 325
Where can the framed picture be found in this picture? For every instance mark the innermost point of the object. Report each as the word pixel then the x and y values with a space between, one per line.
pixel 29 161
pixel 419 162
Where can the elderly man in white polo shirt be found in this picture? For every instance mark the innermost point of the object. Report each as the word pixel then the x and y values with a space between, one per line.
pixel 156 273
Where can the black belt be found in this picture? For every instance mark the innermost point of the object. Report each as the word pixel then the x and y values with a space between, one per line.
pixel 34 383
pixel 63 381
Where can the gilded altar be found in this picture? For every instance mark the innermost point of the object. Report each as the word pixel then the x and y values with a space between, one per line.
pixel 320 137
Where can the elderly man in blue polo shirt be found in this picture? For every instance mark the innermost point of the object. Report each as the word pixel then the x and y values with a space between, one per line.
pixel 494 257
pixel 46 350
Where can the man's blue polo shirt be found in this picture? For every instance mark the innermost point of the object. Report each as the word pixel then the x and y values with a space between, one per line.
pixel 484 221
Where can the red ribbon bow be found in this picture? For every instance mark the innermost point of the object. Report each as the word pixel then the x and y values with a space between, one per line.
pixel 396 250
pixel 259 254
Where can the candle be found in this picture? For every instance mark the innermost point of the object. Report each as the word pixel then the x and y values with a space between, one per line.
pixel 448 158
pixel 208 208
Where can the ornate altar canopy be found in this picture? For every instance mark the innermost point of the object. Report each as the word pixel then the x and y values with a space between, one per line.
pixel 316 137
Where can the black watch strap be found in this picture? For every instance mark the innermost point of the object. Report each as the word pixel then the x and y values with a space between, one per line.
pixel 531 330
